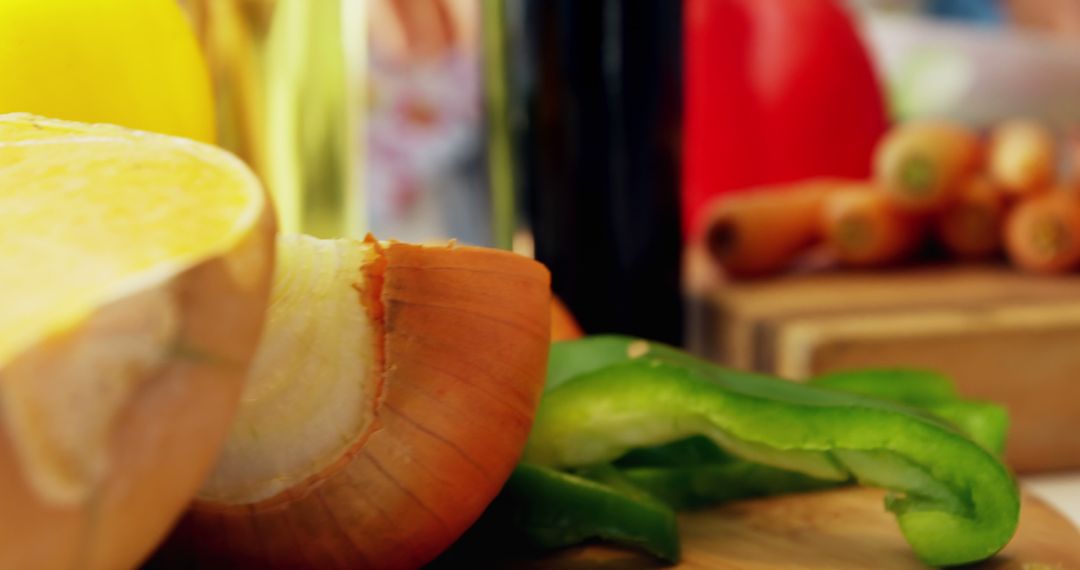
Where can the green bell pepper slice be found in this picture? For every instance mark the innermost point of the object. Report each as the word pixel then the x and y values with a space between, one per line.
pixel 984 422
pixel 570 358
pixel 541 509
pixel 707 485
pixel 954 500
pixel 694 451
pixel 913 387
pixel 695 472
pixel 928 391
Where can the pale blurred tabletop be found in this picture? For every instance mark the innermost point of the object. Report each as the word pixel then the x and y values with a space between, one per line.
pixel 1062 490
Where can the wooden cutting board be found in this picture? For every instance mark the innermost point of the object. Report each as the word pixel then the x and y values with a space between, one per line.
pixel 846 529
pixel 1001 335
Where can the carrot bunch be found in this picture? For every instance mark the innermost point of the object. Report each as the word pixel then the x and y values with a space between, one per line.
pixel 933 181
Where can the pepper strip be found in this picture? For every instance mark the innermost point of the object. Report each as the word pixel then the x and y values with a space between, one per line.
pixel 984 422
pixel 542 509
pixel 706 485
pixel 955 502
pixel 695 473
pixel 928 391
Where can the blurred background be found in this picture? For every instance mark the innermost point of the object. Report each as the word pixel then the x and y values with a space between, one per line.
pixel 791 187
pixel 593 136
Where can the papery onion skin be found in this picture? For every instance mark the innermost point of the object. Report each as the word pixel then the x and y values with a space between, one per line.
pixel 167 436
pixel 466 334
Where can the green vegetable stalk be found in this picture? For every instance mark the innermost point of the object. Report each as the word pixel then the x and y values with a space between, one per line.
pixel 954 500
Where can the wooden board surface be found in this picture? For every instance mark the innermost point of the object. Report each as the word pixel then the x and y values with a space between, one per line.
pixel 1001 335
pixel 907 287
pixel 846 529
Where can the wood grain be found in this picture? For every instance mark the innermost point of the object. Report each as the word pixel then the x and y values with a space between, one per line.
pixel 846 529
pixel 1001 335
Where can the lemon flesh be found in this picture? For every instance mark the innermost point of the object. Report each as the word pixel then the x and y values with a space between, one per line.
pixel 89 214
pixel 97 223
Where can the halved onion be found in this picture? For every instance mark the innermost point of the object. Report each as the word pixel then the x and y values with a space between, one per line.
pixel 391 396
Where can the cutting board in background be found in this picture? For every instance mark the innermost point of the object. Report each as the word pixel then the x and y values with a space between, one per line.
pixel 846 529
pixel 1002 335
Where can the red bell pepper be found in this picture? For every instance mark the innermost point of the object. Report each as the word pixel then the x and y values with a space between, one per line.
pixel 775 91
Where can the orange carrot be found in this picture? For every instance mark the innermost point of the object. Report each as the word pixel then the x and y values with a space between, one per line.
pixel 1022 156
pixel 864 228
pixel 970 227
pixel 1042 233
pixel 919 164
pixel 760 233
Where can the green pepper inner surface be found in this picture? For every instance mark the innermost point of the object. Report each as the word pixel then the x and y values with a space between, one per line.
pixel 955 502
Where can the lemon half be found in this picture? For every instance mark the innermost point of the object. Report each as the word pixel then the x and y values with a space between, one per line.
pixel 135 272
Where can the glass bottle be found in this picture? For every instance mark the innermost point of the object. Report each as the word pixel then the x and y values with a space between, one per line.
pixel 595 107
pixel 288 78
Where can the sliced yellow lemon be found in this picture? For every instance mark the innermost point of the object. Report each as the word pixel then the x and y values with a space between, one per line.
pixel 135 272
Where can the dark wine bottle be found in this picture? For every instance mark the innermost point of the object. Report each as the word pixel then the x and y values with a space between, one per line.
pixel 595 92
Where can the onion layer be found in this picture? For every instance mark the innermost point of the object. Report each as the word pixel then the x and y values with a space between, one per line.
pixel 449 385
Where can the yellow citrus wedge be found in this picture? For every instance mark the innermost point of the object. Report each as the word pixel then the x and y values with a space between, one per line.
pixel 135 270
